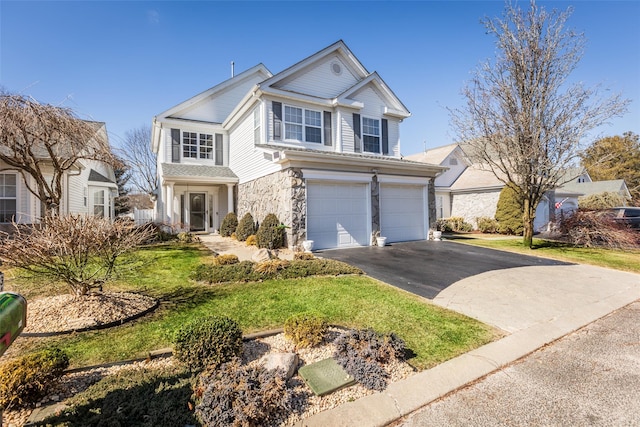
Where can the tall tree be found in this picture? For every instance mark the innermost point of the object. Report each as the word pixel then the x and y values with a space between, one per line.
pixel 615 157
pixel 123 175
pixel 523 119
pixel 136 152
pixel 44 143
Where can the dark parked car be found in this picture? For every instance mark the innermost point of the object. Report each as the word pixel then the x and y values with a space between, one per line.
pixel 625 215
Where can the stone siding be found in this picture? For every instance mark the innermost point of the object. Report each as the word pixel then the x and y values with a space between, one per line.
pixel 281 193
pixel 431 204
pixel 475 205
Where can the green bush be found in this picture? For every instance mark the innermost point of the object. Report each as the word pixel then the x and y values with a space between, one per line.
pixel 271 233
pixel 229 224
pixel 243 395
pixel 245 271
pixel 246 227
pixel 304 330
pixel 26 379
pixel 208 342
pixel 487 225
pixel 144 397
pixel 509 213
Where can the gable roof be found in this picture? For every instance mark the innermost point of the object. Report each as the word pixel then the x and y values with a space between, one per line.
pixel 595 187
pixel 235 80
pixel 435 155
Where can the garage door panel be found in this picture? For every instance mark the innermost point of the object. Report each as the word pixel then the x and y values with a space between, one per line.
pixel 402 212
pixel 337 214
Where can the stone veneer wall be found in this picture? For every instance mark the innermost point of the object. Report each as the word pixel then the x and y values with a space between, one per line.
pixel 475 205
pixel 375 208
pixel 282 193
pixel 431 203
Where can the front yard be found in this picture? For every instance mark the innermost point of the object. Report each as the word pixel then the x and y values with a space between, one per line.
pixel 432 334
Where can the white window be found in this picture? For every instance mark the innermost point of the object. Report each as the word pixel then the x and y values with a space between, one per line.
pixel 8 196
pixel 98 203
pixel 371 135
pixel 302 125
pixel 197 146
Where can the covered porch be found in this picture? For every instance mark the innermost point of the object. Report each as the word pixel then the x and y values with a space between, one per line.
pixel 195 197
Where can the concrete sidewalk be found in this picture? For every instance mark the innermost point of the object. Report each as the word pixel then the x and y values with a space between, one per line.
pixel 537 305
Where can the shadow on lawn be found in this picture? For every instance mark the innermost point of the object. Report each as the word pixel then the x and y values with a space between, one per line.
pixel 132 399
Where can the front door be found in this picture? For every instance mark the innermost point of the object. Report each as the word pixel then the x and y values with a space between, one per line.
pixel 197 211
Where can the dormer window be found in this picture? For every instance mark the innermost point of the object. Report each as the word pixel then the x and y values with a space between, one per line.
pixel 371 135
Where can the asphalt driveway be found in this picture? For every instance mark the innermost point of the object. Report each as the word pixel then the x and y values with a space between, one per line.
pixel 427 267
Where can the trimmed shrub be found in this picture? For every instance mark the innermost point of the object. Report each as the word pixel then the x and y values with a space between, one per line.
pixel 187 237
pixel 487 225
pixel 226 259
pixel 271 267
pixel 271 233
pixel 252 240
pixel 304 330
pixel 208 342
pixel 236 395
pixel 229 224
pixel 303 256
pixel 244 271
pixel 26 379
pixel 509 213
pixel 362 353
pixel 246 227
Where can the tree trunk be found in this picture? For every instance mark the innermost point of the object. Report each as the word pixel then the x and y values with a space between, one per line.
pixel 527 218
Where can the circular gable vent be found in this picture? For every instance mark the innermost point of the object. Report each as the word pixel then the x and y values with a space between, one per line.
pixel 336 68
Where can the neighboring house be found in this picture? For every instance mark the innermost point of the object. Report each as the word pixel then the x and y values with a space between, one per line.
pixel 317 144
pixel 88 188
pixel 469 191
pixel 583 185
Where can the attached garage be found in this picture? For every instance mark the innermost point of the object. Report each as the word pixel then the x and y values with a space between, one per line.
pixel 403 211
pixel 338 214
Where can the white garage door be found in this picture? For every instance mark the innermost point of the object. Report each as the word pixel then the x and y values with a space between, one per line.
pixel 337 215
pixel 402 212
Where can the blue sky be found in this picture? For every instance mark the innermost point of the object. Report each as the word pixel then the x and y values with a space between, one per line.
pixel 123 62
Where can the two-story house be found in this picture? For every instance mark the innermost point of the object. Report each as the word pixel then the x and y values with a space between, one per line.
pixel 88 188
pixel 317 144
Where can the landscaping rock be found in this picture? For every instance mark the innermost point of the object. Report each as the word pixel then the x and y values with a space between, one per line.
pixel 261 255
pixel 288 362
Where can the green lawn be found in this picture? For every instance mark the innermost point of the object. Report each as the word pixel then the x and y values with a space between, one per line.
pixel 625 260
pixel 432 333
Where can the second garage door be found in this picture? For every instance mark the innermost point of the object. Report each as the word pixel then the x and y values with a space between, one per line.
pixel 402 212
pixel 337 214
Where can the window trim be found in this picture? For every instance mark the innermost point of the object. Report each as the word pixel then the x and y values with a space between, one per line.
pixel 15 198
pixel 303 124
pixel 365 134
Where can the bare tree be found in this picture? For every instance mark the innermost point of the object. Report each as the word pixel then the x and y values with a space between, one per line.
pixel 136 152
pixel 523 120
pixel 44 142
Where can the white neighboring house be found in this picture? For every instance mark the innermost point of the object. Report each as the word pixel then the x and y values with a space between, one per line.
pixel 317 144
pixel 88 188
pixel 468 191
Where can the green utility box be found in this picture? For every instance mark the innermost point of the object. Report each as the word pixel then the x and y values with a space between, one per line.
pixel 13 318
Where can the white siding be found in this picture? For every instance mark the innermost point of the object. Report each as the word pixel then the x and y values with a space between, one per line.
pixel 217 108
pixel 394 137
pixel 456 166
pixel 373 102
pixel 320 81
pixel 77 187
pixel 246 161
pixel 346 127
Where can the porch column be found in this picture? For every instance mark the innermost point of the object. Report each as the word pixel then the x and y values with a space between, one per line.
pixel 170 203
pixel 230 206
